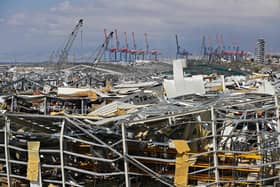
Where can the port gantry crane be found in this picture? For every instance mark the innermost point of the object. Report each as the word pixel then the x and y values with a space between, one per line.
pixel 125 49
pixel 149 52
pixel 63 56
pixel 108 58
pixel 180 53
pixel 146 45
pixel 134 50
pixel 115 50
pixel 203 48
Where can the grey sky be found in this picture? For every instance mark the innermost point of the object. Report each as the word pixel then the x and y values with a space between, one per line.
pixel 32 29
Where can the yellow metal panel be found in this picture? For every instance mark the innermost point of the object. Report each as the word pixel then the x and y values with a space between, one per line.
pixel 51 185
pixel 33 160
pixel 181 171
pixel 258 76
pixel 232 155
pixel 120 112
pixel 217 88
pixel 247 156
pixel 182 163
pixel 181 146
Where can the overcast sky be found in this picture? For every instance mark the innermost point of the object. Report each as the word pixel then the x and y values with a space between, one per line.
pixel 32 29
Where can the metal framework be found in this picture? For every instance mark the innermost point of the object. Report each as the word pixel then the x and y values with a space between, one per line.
pixel 234 141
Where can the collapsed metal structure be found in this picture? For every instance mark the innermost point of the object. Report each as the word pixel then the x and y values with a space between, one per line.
pixel 229 141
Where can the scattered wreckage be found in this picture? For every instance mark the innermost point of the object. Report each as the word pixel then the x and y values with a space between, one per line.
pixel 85 129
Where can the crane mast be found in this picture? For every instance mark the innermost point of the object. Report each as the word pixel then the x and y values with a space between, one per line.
pixel 125 40
pixel 177 46
pixel 203 49
pixel 146 42
pixel 105 35
pixel 63 57
pixel 125 49
pixel 222 41
pixel 133 40
pixel 134 46
pixel 117 44
pixel 102 48
pixel 180 52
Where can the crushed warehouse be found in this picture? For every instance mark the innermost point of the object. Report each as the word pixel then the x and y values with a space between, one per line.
pixel 96 126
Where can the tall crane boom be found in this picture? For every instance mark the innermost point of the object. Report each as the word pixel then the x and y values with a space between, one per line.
pixel 105 35
pixel 177 46
pixel 125 49
pixel 217 41
pixel 125 40
pixel 179 51
pixel 222 41
pixel 133 40
pixel 65 51
pixel 146 42
pixel 100 51
pixel 117 40
pixel 203 49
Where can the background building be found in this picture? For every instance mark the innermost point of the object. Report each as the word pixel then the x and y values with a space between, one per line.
pixel 260 50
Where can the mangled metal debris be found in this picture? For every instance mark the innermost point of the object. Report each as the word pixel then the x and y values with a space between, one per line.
pixel 99 128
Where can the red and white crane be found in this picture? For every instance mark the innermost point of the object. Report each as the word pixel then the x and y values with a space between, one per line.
pixel 134 50
pixel 116 48
pixel 125 49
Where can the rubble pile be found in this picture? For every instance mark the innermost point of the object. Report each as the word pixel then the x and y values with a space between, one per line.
pixel 109 125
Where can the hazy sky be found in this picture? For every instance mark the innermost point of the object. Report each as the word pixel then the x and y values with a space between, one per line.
pixel 32 29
